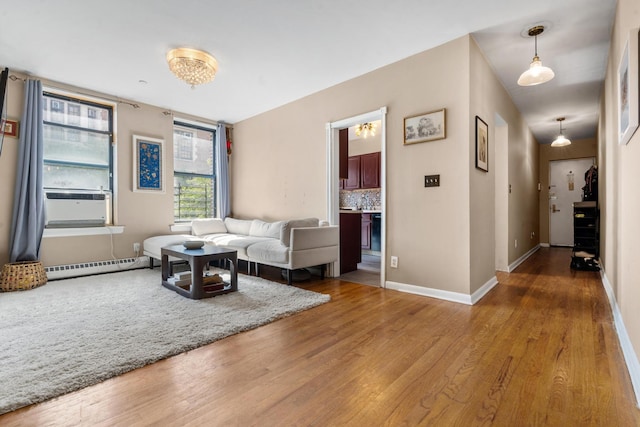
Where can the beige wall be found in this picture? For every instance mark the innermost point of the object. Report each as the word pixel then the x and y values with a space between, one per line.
pixel 619 176
pixel 489 100
pixel 425 227
pixel 8 159
pixel 577 150
pixel 142 215
pixel 371 144
pixel 428 229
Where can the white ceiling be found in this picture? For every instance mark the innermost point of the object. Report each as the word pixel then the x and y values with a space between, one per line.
pixel 274 52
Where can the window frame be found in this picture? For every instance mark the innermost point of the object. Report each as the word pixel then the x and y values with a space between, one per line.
pixel 195 126
pixel 54 96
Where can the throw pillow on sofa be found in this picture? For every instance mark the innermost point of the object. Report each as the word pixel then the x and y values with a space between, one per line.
pixel 238 226
pixel 201 227
pixel 265 229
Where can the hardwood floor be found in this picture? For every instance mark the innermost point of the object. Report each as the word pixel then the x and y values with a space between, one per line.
pixel 538 350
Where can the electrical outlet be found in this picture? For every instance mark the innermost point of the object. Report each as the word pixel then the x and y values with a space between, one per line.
pixel 516 243
pixel 136 247
pixel 394 262
pixel 533 234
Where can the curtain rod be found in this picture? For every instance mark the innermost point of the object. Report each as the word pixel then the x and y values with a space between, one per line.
pixel 13 78
pixel 75 90
pixel 134 105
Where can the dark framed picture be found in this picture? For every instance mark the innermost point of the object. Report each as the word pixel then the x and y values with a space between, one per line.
pixel 628 87
pixel 10 128
pixel 425 127
pixel 482 145
pixel 148 164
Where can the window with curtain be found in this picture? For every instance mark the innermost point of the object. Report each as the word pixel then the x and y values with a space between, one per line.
pixel 78 150
pixel 193 171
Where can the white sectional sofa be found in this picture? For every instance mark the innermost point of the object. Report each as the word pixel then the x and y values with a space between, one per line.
pixel 291 245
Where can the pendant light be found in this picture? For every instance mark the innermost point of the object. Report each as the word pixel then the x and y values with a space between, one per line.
pixel 368 128
pixel 537 73
pixel 560 141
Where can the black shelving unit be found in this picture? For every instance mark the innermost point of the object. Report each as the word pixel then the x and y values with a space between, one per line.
pixel 586 236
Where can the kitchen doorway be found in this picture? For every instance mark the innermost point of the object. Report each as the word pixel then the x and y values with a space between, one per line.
pixel 371 268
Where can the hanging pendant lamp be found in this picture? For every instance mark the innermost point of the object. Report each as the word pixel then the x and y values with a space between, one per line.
pixel 537 73
pixel 368 128
pixel 560 141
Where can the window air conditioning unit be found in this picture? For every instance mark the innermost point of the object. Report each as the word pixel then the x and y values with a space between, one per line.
pixel 63 210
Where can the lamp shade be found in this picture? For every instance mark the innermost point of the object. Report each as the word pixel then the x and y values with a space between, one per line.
pixel 560 141
pixel 536 74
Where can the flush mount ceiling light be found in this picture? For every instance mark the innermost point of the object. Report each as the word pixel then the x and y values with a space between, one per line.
pixel 191 65
pixel 367 129
pixel 537 73
pixel 560 141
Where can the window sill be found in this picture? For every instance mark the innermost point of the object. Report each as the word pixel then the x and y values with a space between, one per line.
pixel 82 231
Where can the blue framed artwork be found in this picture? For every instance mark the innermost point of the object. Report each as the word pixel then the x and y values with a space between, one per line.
pixel 148 164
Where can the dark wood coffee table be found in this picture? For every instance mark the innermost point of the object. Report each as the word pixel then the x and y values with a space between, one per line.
pixel 198 259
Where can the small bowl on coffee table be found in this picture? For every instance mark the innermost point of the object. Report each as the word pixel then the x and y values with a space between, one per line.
pixel 193 244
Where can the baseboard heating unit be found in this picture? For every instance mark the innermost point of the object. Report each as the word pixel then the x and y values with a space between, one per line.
pixel 95 267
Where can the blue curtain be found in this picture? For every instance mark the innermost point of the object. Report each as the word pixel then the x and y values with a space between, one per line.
pixel 222 172
pixel 27 224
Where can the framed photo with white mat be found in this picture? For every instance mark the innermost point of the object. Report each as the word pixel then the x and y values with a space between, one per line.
pixel 628 87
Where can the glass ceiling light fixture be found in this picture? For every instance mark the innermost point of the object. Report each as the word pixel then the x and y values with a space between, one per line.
pixel 560 141
pixel 537 73
pixel 191 65
pixel 367 128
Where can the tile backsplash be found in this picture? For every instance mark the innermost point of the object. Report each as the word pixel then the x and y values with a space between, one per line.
pixel 364 199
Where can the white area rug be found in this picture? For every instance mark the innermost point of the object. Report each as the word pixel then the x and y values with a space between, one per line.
pixel 73 333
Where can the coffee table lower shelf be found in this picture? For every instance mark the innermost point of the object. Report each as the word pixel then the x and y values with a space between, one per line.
pixel 208 291
pixel 198 260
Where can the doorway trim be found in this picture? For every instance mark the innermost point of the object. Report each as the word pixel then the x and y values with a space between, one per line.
pixel 333 177
pixel 501 183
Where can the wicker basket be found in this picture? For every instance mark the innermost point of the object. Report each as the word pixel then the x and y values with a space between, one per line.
pixel 20 276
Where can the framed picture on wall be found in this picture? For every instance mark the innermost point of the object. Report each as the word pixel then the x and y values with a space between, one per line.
pixel 482 145
pixel 425 127
pixel 10 128
pixel 628 82
pixel 148 164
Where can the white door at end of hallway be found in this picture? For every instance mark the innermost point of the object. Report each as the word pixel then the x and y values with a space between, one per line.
pixel 566 179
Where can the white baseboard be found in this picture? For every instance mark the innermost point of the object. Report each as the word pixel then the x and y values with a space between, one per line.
pixel 95 267
pixel 456 296
pixel 522 259
pixel 477 295
pixel 545 245
pixel 630 357
pixel 444 295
